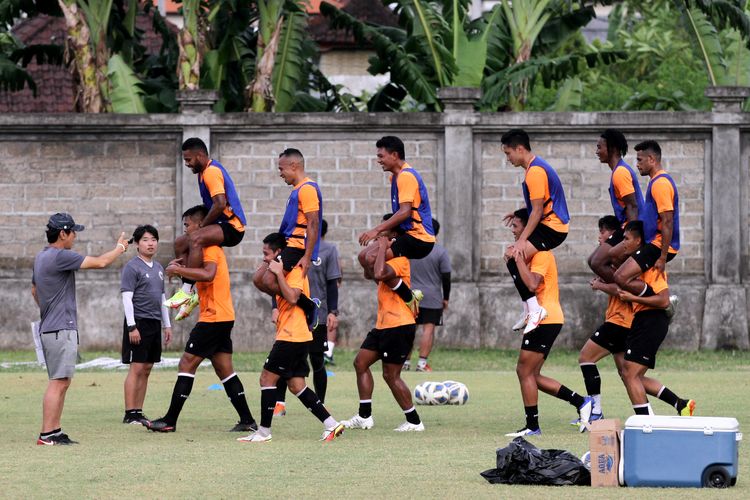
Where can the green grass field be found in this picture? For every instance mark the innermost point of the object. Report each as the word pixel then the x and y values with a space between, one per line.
pixel 203 460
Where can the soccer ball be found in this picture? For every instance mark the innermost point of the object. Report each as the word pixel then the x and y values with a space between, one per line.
pixel 420 394
pixel 586 459
pixel 458 394
pixel 440 394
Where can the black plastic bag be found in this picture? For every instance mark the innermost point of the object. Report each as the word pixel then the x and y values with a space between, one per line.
pixel 523 463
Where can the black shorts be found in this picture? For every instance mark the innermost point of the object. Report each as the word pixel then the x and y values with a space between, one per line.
pixel 288 359
pixel 149 350
pixel 610 336
pixel 290 257
pixel 232 237
pixel 406 245
pixel 541 338
pixel 648 331
pixel 427 315
pixel 545 238
pixel 648 254
pixel 207 339
pixel 616 237
pixel 319 343
pixel 393 345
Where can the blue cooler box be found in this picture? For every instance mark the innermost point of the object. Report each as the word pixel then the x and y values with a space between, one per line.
pixel 680 451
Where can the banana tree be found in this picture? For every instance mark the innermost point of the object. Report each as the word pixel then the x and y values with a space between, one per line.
pixel 191 42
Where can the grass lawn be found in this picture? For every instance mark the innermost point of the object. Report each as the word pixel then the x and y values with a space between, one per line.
pixel 203 460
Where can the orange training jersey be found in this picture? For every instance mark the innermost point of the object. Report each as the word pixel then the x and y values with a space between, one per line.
pixel 663 194
pixel 392 311
pixel 622 182
pixel 215 296
pixel 658 282
pixel 214 181
pixel 308 202
pixel 408 192
pixel 292 324
pixel 619 312
pixel 548 293
pixel 538 186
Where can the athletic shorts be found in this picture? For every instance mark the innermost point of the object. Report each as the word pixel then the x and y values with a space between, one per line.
pixel 615 238
pixel 648 331
pixel 393 345
pixel 406 245
pixel 545 238
pixel 648 254
pixel 232 237
pixel 207 339
pixel 319 343
pixel 541 338
pixel 288 359
pixel 611 337
pixel 149 350
pixel 60 353
pixel 291 257
pixel 427 315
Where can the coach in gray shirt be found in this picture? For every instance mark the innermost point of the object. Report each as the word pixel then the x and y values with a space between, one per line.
pixel 53 285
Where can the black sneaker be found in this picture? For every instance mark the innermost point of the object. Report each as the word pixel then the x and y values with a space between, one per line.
pixel 159 425
pixel 310 307
pixel 328 360
pixel 240 427
pixel 56 440
pixel 138 419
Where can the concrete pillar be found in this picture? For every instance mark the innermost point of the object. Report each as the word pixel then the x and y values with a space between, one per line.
pixel 196 108
pixel 725 323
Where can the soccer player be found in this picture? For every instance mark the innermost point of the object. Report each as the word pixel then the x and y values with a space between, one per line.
pixel 647 331
pixel 142 288
pixel 300 226
pixel 548 221
pixel 627 200
pixel 411 213
pixel 661 223
pixel 53 286
pixel 541 277
pixel 211 336
pixel 224 225
pixel 288 356
pixel 390 341
pixel 324 279
pixel 432 275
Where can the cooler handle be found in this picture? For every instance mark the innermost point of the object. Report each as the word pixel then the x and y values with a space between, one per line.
pixel 708 431
pixel 738 436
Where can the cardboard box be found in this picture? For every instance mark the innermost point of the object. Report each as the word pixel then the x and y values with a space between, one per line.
pixel 605 452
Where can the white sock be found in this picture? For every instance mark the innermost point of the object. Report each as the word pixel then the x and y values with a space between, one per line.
pixel 525 307
pixel 650 410
pixel 330 423
pixel 329 352
pixel 597 404
pixel 532 304
pixel 187 287
pixel 264 431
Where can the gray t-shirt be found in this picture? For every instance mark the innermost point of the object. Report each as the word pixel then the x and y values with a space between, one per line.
pixel 426 275
pixel 55 280
pixel 147 284
pixel 321 271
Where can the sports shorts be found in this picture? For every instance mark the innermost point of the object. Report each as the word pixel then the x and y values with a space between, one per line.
pixel 288 359
pixel 611 337
pixel 60 353
pixel 206 339
pixel 406 245
pixel 427 315
pixel 648 254
pixel 616 237
pixel 648 331
pixel 232 237
pixel 545 238
pixel 290 257
pixel 541 338
pixel 393 345
pixel 149 350
pixel 319 343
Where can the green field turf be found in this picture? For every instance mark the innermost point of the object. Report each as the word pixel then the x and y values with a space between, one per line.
pixel 202 460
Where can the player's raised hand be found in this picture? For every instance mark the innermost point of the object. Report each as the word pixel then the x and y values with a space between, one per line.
pixel 122 242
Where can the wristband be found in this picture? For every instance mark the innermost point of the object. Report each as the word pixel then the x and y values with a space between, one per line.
pixel 335 312
pixel 132 328
pixel 123 247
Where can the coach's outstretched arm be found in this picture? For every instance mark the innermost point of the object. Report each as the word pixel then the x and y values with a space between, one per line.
pixel 105 259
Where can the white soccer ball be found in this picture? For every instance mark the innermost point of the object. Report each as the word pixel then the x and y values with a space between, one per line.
pixel 420 394
pixel 440 394
pixel 458 394
pixel 586 459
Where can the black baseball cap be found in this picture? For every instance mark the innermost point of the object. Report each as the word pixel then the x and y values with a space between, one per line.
pixel 64 222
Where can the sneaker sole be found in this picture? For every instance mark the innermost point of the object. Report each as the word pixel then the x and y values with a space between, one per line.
pixel 166 429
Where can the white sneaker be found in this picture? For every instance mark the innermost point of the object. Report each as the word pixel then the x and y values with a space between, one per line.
pixel 524 432
pixel 674 300
pixel 521 321
pixel 408 427
pixel 585 413
pixel 357 422
pixel 535 318
pixel 254 437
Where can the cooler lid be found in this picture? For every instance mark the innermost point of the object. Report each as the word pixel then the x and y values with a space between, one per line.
pixel 664 422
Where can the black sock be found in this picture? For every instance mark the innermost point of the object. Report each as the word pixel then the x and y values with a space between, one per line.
pixel 640 409
pixel 532 417
pixel 403 291
pixel 365 409
pixel 591 379
pixel 51 433
pixel 281 390
pixel 180 393
pixel 132 413
pixel 571 397
pixel 267 404
pixel 671 398
pixel 523 290
pixel 236 392
pixel 319 376
pixel 308 398
pixel 309 307
pixel 411 416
